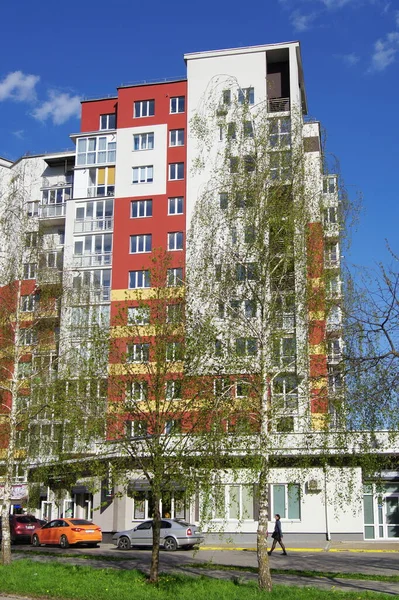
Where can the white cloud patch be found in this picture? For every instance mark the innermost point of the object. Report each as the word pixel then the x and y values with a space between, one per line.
pixel 302 22
pixel 19 87
pixel 59 108
pixel 331 4
pixel 19 134
pixel 350 59
pixel 385 51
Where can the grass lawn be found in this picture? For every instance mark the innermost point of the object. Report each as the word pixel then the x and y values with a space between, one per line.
pixel 69 582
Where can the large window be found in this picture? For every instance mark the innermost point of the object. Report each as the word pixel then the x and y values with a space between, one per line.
pixel 93 250
pixel 174 351
pixel 143 141
pixel 285 393
pixel 107 121
pixel 27 337
pixel 284 351
pixel 173 390
pixel 144 108
pixel 234 502
pixel 141 208
pixel 331 254
pixel 28 303
pixel 95 150
pixel 175 206
pixel 246 95
pixel 246 346
pixel 138 315
pixel 94 216
pixel 143 174
pixel 139 279
pixel 286 500
pixel 330 185
pixel 175 240
pixel 101 182
pixel 138 352
pixel 176 137
pixel 138 390
pixel 177 104
pixel 246 272
pixel 279 132
pixel 176 171
pixel 140 243
pixel 280 165
pixel 30 270
pixel 175 277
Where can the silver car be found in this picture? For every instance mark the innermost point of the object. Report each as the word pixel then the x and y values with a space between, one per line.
pixel 174 534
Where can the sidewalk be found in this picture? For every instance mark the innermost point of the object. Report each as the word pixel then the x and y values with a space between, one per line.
pixel 314 546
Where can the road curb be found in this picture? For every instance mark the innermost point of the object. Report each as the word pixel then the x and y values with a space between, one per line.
pixel 253 549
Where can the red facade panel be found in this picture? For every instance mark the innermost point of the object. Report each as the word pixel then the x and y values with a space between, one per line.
pixel 91 111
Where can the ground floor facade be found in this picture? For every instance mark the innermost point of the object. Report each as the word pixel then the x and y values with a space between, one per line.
pixel 332 503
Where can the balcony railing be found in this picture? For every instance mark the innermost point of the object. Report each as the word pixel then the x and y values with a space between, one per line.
pixel 49 211
pixel 92 260
pixel 90 225
pixel 99 191
pixel 92 295
pixel 278 105
pixel 49 275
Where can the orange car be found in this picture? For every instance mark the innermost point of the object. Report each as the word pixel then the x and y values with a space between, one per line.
pixel 64 532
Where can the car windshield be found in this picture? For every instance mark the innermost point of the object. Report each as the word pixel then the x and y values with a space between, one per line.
pixel 81 522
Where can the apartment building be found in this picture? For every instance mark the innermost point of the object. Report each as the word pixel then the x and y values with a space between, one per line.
pixel 129 191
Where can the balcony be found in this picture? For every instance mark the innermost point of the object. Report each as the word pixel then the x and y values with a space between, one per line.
pixel 92 295
pixel 49 275
pixel 276 105
pixel 52 211
pixel 92 260
pixel 90 225
pixel 99 191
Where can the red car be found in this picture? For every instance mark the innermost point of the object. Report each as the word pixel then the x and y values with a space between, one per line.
pixel 22 527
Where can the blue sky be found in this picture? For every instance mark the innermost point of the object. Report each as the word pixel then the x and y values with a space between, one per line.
pixel 52 55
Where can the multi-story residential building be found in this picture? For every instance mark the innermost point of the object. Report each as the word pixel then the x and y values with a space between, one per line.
pixel 130 189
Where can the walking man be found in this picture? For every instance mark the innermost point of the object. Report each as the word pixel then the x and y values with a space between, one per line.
pixel 277 536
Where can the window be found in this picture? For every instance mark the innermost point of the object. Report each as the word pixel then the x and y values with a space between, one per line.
pixel 175 206
pixel 221 310
pixel 141 208
pixel 27 337
pixel 218 272
pixel 55 196
pixel 226 97
pixel 27 303
pixel 107 121
pixel 143 141
pixel 138 390
pixel 246 95
pixel 30 270
pixel 174 313
pixel 287 500
pixel 139 279
pixel 280 165
pixel 140 243
pixel 138 429
pixel 248 129
pixel 335 380
pixel 94 150
pixel 249 163
pixel 250 309
pixel 218 348
pixel 138 353
pixel 234 164
pixel 174 351
pixel 176 171
pixel 176 137
pixel 223 200
pixel 175 240
pixel 24 370
pixel 144 108
pixel 284 350
pixel 173 390
pixel 329 185
pixel 242 389
pixel 246 346
pixel 334 349
pixel 334 317
pixel 334 287
pixel 246 272
pixel 143 174
pixel 32 208
pixel 234 502
pixel 279 132
pixel 172 426
pixel 233 234
pixel 222 387
pixel 231 131
pixel 101 182
pixel 138 315
pixel 285 393
pixel 177 104
pixel 331 215
pixel 331 254
pixel 175 277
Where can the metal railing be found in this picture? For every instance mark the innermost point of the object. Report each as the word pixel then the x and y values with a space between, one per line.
pixel 49 211
pixel 90 225
pixel 278 105
pixel 92 260
pixel 92 295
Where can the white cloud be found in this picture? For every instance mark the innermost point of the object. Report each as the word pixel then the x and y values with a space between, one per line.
pixel 302 22
pixel 19 87
pixel 19 134
pixel 350 59
pixel 385 51
pixel 59 108
pixel 337 3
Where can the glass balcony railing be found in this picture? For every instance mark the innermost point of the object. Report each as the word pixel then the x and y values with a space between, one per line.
pixel 90 225
pixel 50 211
pixel 92 260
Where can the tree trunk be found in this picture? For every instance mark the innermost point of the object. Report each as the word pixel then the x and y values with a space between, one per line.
pixel 156 532
pixel 5 522
pixel 264 576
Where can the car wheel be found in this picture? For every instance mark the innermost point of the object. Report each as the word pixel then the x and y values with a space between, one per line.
pixel 124 543
pixel 35 541
pixel 170 544
pixel 64 542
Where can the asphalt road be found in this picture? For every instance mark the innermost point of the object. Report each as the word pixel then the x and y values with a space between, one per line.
pixel 183 562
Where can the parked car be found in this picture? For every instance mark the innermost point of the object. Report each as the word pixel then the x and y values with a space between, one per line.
pixel 174 534
pixel 64 532
pixel 22 527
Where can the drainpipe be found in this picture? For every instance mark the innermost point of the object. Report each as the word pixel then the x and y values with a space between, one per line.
pixel 328 535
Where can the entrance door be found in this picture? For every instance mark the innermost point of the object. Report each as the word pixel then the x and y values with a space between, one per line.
pixel 392 516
